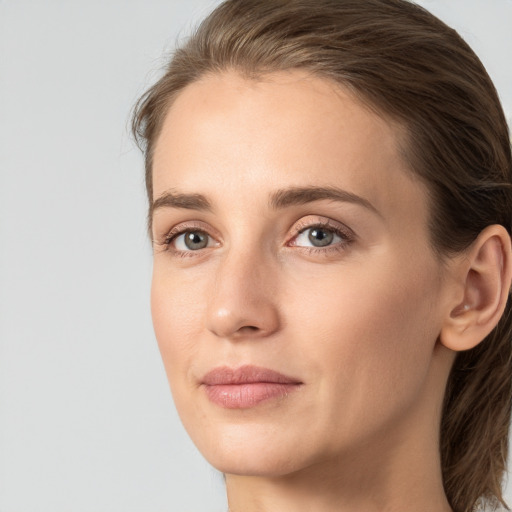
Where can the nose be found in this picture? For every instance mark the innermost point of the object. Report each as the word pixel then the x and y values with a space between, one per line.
pixel 243 301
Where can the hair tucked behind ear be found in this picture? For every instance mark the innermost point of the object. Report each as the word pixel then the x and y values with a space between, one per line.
pixel 475 421
pixel 407 65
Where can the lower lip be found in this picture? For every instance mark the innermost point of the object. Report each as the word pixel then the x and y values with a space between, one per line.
pixel 245 396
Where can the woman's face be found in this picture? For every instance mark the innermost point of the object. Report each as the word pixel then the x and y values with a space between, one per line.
pixel 296 299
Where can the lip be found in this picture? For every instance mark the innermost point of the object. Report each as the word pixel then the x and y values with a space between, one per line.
pixel 247 386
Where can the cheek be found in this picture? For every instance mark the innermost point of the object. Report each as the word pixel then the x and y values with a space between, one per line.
pixel 176 315
pixel 370 334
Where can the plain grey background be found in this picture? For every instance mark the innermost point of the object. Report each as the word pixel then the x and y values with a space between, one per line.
pixel 86 419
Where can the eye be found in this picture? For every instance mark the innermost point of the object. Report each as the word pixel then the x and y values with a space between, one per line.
pixel 322 236
pixel 186 240
pixel 318 236
pixel 191 240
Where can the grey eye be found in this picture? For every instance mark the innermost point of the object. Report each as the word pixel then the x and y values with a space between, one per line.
pixel 191 240
pixel 320 237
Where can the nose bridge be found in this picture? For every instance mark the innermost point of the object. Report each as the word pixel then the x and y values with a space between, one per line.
pixel 243 296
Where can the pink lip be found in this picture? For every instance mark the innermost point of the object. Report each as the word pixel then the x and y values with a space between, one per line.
pixel 246 386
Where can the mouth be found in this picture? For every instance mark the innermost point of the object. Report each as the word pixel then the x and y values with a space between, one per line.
pixel 247 386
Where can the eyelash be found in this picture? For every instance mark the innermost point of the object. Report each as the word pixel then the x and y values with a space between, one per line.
pixel 174 233
pixel 347 236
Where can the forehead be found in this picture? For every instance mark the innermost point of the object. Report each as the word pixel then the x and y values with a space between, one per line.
pixel 232 134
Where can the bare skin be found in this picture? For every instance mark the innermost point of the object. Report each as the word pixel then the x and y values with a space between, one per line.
pixel 357 321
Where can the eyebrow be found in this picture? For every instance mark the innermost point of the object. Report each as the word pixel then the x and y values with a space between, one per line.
pixel 303 195
pixel 278 200
pixel 171 199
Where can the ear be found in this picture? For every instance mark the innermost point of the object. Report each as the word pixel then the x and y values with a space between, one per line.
pixel 486 271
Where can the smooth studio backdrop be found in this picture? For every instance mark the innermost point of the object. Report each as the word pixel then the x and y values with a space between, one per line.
pixel 86 419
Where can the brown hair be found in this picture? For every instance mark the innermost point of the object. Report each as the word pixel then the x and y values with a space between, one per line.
pixel 405 64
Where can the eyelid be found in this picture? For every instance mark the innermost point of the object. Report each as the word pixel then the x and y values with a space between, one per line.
pixel 167 237
pixel 338 228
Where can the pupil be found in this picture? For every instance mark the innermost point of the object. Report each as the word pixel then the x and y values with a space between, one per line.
pixel 195 240
pixel 320 237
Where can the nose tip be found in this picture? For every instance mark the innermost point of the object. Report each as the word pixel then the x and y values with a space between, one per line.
pixel 243 304
pixel 229 323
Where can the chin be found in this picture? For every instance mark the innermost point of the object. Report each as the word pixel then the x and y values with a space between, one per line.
pixel 254 453
pixel 252 465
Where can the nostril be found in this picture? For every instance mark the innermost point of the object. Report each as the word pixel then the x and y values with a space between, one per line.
pixel 228 317
pixel 247 329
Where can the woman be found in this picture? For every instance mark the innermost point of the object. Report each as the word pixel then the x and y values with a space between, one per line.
pixel 330 206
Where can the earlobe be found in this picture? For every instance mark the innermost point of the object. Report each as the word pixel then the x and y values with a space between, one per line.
pixel 487 274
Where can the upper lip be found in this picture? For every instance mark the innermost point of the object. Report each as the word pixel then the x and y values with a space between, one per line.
pixel 245 375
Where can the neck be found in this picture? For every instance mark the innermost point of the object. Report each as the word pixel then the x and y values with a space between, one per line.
pixel 347 485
